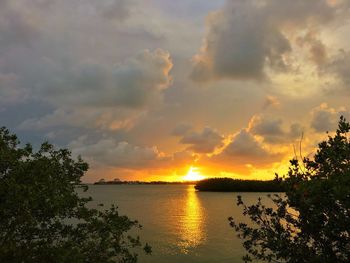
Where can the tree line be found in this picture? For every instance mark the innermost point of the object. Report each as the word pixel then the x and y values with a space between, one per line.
pixel 237 185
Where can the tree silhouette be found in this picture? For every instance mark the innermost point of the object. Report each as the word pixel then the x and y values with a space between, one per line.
pixel 43 219
pixel 311 222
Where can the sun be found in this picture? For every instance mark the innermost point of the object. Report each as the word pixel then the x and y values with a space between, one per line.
pixel 193 174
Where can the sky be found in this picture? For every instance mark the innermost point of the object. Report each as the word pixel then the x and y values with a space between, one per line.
pixel 153 89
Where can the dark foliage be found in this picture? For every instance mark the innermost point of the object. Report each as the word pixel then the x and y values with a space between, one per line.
pixel 311 222
pixel 234 185
pixel 43 219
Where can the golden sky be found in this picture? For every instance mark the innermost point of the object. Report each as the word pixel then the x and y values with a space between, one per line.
pixel 173 90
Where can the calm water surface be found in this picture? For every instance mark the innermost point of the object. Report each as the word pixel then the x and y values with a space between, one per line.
pixel 181 224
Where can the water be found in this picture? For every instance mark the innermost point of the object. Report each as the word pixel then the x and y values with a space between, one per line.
pixel 181 224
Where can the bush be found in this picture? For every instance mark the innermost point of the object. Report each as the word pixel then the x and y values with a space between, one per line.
pixel 38 199
pixel 312 221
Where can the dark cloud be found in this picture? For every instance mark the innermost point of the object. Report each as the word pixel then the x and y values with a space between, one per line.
pixel 243 153
pixel 272 130
pixel 317 49
pixel 245 145
pixel 205 141
pixel 17 28
pixel 266 126
pixel 325 118
pixel 93 96
pixel 340 67
pixel 66 52
pixel 134 83
pixel 245 37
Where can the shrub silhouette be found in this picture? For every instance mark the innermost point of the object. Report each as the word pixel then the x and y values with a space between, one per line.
pixel 312 221
pixel 43 219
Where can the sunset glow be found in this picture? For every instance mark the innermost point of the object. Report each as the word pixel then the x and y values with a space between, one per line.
pixel 144 100
pixel 116 112
pixel 193 174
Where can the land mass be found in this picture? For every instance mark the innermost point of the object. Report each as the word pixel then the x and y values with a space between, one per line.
pixel 212 184
pixel 102 182
pixel 236 185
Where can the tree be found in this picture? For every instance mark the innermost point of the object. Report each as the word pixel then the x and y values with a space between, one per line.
pixel 42 217
pixel 311 222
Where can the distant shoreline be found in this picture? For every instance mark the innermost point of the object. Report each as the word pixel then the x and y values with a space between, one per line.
pixel 145 183
pixel 236 185
pixel 213 184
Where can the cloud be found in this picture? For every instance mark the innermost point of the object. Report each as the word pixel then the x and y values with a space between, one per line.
pixel 104 69
pixel 135 83
pixel 270 101
pixel 316 48
pixel 81 57
pixel 181 129
pixel 272 130
pixel 17 27
pixel 86 60
pixel 244 152
pixel 205 141
pixel 116 10
pixel 247 38
pixel 90 118
pixel 295 131
pixel 325 118
pixel 339 66
pixel 124 155
pixel 116 154
pixel 243 145
pixel 10 92
pixel 94 96
pixel 266 126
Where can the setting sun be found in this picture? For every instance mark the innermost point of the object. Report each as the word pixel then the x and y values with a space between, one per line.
pixel 193 174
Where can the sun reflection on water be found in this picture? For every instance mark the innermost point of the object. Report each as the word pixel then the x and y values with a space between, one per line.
pixel 192 223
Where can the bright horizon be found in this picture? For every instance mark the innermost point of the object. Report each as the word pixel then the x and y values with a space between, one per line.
pixel 162 90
